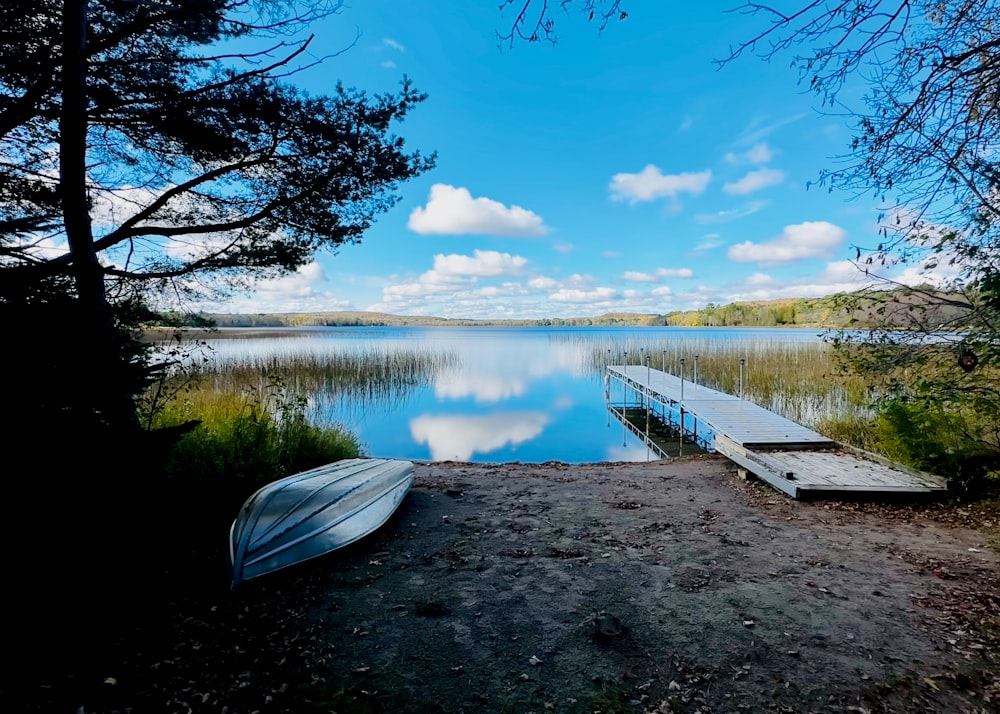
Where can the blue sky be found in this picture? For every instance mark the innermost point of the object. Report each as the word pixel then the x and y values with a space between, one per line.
pixel 620 170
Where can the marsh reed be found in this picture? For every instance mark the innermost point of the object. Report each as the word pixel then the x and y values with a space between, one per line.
pixel 373 375
pixel 800 380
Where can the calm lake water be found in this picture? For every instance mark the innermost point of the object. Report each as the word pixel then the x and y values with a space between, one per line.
pixel 496 394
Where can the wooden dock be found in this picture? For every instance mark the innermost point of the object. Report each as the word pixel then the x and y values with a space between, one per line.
pixel 790 457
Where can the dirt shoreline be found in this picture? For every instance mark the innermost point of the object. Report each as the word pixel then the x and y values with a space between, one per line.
pixel 665 587
pixel 657 587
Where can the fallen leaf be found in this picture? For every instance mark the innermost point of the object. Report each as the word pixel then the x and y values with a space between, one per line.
pixel 932 684
pixel 534 661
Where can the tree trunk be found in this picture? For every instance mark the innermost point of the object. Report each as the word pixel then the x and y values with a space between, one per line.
pixel 100 365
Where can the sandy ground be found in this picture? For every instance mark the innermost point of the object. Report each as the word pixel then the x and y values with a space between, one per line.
pixel 669 586
pixel 660 587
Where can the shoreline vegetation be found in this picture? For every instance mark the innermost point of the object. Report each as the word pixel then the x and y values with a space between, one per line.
pixel 835 312
pixel 821 392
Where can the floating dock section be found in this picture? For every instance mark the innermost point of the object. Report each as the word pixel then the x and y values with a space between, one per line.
pixel 790 457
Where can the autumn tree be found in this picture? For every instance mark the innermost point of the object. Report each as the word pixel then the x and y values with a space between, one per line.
pixel 161 148
pixel 925 147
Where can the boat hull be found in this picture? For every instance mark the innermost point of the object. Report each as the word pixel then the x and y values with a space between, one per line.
pixel 314 512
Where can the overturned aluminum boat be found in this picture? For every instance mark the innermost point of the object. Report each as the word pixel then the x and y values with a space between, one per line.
pixel 314 512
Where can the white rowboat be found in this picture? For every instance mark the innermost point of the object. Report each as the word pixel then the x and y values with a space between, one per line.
pixel 314 512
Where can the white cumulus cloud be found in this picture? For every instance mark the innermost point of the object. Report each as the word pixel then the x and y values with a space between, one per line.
pixel 543 283
pixel 836 277
pixel 812 239
pixel 760 279
pixel 452 210
pixel 482 263
pixel 581 296
pixel 651 184
pixel 754 181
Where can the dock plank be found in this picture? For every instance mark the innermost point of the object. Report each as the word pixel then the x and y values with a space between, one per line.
pixel 742 421
pixel 789 456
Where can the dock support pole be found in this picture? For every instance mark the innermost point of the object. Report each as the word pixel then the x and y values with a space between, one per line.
pixel 680 411
pixel 696 369
pixel 743 362
pixel 680 432
pixel 649 398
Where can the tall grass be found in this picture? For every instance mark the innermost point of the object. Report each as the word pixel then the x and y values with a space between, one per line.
pixel 248 436
pixel 376 376
pixel 258 420
pixel 802 381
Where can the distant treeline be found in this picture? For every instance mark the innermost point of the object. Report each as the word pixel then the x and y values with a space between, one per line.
pixel 802 312
pixel 860 310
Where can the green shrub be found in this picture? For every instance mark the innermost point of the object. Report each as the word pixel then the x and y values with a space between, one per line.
pixel 247 438
pixel 936 439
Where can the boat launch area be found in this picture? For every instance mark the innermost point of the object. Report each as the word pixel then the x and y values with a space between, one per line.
pixel 796 460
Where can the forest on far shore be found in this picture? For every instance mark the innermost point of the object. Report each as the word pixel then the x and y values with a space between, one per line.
pixel 886 308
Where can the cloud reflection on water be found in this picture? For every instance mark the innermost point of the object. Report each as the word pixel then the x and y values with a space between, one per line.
pixel 633 452
pixel 457 438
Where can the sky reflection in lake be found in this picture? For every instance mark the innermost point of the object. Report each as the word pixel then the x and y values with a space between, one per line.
pixel 504 394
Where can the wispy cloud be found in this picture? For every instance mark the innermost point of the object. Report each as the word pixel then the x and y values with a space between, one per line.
pixel 757 154
pixel 731 214
pixel 392 44
pixel 760 128
pixel 708 242
pixel 657 275
pixel 452 210
pixel 754 181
